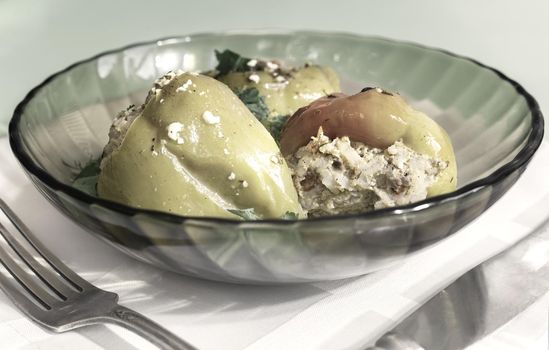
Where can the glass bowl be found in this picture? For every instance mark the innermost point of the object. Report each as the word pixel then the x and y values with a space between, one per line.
pixel 495 126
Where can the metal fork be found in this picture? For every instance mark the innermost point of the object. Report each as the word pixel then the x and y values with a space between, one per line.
pixel 55 297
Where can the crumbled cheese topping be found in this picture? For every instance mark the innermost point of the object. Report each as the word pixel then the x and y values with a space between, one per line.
pixel 174 132
pixel 231 176
pixel 185 86
pixel 210 118
pixel 271 65
pixel 251 63
pixel 245 184
pixel 225 151
pixel 166 78
pixel 278 86
pixel 254 78
pixel 161 82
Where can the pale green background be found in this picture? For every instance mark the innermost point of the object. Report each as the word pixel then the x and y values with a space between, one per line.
pixel 38 38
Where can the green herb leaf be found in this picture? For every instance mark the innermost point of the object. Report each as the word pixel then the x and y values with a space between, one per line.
pixel 275 124
pixel 91 169
pixel 87 185
pixel 230 61
pixel 255 103
pixel 290 216
pixel 246 214
pixel 86 180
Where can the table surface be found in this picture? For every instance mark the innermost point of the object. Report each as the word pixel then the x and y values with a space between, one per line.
pixel 38 38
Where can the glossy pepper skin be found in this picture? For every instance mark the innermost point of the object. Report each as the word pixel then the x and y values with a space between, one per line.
pixel 300 87
pixel 378 119
pixel 196 150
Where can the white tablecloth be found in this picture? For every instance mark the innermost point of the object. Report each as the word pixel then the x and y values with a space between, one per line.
pixel 37 38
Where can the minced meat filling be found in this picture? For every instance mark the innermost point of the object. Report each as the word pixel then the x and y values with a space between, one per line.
pixel 342 177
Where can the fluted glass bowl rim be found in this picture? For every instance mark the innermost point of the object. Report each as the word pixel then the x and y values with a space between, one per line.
pixel 521 159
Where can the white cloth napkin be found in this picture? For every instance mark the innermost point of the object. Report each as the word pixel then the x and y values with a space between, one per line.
pixel 347 314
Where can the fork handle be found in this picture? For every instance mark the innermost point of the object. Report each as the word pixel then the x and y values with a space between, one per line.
pixel 148 329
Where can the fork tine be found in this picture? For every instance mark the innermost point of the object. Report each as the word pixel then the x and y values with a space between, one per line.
pixel 51 279
pixel 70 276
pixel 24 278
pixel 18 298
